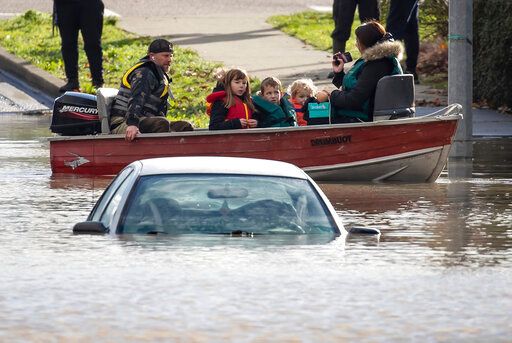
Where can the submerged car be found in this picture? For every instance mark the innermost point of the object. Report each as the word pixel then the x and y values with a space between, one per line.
pixel 212 195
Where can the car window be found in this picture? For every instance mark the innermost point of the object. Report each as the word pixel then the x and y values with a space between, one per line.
pixel 113 204
pixel 180 204
pixel 107 194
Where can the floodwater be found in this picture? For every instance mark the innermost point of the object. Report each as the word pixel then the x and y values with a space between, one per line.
pixel 440 272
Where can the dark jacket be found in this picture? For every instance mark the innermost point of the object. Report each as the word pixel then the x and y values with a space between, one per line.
pixel 144 92
pixel 377 62
pixel 222 118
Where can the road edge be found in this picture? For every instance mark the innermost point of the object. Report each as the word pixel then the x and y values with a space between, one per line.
pixel 30 74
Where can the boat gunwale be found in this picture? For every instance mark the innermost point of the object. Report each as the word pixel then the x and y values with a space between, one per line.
pixel 205 132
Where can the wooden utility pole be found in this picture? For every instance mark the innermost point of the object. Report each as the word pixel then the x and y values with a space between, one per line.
pixel 460 72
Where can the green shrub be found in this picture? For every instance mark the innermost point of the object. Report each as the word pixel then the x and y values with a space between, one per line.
pixel 433 18
pixel 492 52
pixel 313 28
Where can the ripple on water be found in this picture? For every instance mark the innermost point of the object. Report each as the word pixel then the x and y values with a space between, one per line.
pixel 440 271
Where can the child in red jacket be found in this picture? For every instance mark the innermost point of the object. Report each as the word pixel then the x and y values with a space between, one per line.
pixel 301 90
pixel 231 104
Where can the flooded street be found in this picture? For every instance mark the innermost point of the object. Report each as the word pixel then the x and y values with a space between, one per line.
pixel 440 272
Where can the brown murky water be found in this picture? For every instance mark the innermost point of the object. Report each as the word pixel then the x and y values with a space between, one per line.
pixel 440 271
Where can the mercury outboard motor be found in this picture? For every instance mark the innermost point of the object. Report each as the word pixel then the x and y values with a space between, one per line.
pixel 75 114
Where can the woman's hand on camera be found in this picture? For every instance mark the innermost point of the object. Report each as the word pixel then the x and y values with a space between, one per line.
pixel 337 65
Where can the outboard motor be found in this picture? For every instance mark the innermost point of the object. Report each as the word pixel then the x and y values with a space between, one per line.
pixel 75 114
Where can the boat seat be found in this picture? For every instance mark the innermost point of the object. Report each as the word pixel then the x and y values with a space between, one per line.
pixel 394 97
pixel 105 98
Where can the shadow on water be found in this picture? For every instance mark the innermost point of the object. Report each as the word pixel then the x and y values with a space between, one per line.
pixel 79 182
pixel 493 158
pixel 464 219
pixel 444 228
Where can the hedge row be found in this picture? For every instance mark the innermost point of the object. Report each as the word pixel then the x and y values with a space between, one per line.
pixel 492 52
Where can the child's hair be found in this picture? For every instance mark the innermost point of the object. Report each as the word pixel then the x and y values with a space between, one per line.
pixel 270 81
pixel 237 74
pixel 301 85
pixel 220 74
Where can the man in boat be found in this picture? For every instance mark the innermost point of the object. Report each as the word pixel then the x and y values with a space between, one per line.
pixel 142 102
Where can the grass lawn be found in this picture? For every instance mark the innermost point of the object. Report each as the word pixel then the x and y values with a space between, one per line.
pixel 314 28
pixel 29 37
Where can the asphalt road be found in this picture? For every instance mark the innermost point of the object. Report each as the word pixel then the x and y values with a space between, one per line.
pixel 17 97
pixel 144 8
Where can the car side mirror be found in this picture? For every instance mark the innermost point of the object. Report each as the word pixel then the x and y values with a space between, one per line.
pixel 363 230
pixel 90 228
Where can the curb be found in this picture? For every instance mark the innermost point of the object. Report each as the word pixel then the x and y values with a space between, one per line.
pixel 31 75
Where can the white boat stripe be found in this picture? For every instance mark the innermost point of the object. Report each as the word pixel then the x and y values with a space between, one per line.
pixel 373 160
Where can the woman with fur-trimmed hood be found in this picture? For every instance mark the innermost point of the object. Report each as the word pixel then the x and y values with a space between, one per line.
pixel 379 58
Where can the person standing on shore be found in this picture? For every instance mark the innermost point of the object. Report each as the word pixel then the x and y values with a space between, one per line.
pixel 85 16
pixel 343 16
pixel 403 24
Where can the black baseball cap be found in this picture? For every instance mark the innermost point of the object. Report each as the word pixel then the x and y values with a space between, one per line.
pixel 160 45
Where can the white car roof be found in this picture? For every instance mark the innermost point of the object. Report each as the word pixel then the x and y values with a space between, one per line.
pixel 219 165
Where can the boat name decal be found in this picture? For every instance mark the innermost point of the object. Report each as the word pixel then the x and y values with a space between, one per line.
pixel 77 162
pixel 89 110
pixel 331 140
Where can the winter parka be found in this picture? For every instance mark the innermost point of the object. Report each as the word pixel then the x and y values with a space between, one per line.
pixel 356 98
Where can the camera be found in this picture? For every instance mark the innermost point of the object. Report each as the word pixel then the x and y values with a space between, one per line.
pixel 344 56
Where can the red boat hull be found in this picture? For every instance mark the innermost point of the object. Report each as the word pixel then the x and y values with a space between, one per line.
pixel 404 148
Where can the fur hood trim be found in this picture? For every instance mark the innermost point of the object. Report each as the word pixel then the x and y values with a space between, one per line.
pixel 385 49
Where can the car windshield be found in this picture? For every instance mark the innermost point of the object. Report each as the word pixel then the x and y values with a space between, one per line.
pixel 225 204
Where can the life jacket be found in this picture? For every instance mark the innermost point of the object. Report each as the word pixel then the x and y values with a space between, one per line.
pixel 281 115
pixel 350 81
pixel 157 101
pixel 239 110
pixel 299 111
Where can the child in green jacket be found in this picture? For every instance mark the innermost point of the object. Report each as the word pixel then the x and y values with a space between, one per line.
pixel 273 109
